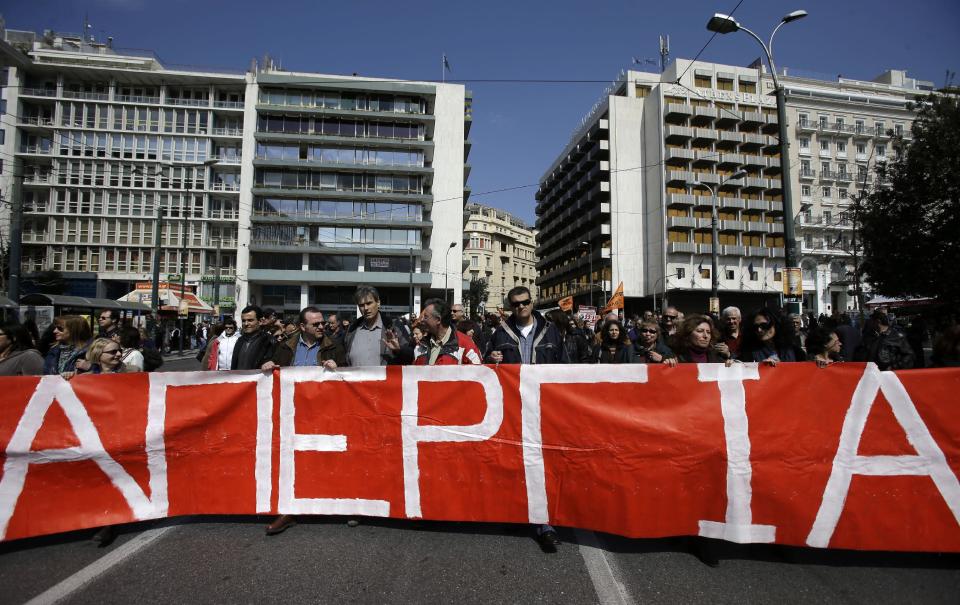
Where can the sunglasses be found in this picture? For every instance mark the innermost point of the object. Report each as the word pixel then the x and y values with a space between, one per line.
pixel 318 324
pixel 58 328
pixel 670 317
pixel 111 352
pixel 648 331
pixel 520 303
pixel 764 326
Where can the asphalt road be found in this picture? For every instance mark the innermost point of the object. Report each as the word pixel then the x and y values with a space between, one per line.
pixel 230 560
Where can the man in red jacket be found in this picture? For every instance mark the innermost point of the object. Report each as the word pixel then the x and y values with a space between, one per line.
pixel 445 345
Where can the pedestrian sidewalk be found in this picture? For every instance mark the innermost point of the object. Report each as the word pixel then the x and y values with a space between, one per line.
pixel 175 354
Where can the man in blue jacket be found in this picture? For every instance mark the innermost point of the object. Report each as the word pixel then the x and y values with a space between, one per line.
pixel 527 337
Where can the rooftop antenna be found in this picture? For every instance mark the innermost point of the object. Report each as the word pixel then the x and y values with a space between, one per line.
pixel 664 52
pixel 87 27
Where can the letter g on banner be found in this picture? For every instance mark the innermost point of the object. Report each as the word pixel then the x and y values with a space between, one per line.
pixel 414 433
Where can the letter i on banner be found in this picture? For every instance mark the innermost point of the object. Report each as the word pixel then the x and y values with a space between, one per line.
pixel 930 462
pixel 413 433
pixel 738 524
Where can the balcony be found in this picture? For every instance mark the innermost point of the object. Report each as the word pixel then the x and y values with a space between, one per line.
pixel 188 102
pixel 752 118
pixel 39 92
pixel 707 157
pixel 827 175
pixel 37 179
pixel 678 110
pixel 753 160
pixel 731 137
pixel 773 163
pixel 36 149
pixel 807 173
pixel 38 121
pixel 706 114
pixel 685 222
pixel 731 159
pixel 704 134
pixel 734 250
pixel 86 96
pixel 227 132
pixel 227 187
pixel 679 153
pixel 732 203
pixel 681 199
pixel 681 175
pixel 728 225
pixel 681 248
pixel 139 99
pixel 679 133
pixel 228 104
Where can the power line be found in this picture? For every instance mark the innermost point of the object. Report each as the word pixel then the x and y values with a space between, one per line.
pixel 706 45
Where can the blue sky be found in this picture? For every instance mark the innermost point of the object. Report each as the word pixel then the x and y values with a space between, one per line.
pixel 518 127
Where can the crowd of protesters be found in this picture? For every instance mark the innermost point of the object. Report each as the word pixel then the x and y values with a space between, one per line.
pixel 442 335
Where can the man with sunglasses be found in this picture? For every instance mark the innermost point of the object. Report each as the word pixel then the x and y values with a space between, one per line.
pixel 308 346
pixel 527 337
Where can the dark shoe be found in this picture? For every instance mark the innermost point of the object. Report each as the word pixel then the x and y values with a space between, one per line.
pixel 104 536
pixel 549 541
pixel 281 524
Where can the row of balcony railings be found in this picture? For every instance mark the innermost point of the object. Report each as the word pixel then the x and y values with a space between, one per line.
pixel 819 220
pixel 138 99
pixel 712 178
pixel 749 224
pixel 769 251
pixel 690 199
pixel 32 237
pixel 720 113
pixel 148 127
pixel 673 131
pixel 877 130
pixel 833 175
pixel 721 157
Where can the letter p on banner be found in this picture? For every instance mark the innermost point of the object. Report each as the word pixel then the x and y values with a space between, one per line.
pixel 414 433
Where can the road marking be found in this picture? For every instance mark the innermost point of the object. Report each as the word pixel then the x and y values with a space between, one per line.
pixel 603 572
pixel 91 572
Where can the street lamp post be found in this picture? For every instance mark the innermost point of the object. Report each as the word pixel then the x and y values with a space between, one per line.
pixel 725 24
pixel 714 278
pixel 446 272
pixel 590 279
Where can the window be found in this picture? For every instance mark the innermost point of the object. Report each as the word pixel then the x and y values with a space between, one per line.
pixel 804 119
pixel 702 81
pixel 474 261
pixel 705 273
pixel 878 128
pixel 861 149
pixel 642 91
pixel 859 126
pixel 748 86
pixel 825 168
pixel 805 144
pixel 729 274
pixel 898 130
pixel 842 193
pixel 841 148
pixel 753 276
pixel 681 272
pixel 805 190
pixel 881 151
pixel 824 146
pixel 724 84
pixel 825 191
pixel 827 216
pixel 823 122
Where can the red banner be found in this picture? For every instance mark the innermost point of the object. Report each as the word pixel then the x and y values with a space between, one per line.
pixel 842 457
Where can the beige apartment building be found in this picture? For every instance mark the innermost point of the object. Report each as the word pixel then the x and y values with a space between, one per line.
pixel 498 247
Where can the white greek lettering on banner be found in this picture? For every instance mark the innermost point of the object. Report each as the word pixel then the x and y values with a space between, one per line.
pixel 929 461
pixel 292 442
pixel 738 523
pixel 531 378
pixel 414 433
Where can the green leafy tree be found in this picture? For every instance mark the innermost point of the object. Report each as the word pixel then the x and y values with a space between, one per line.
pixel 477 294
pixel 910 219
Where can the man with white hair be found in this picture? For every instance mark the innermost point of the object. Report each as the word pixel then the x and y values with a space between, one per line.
pixel 731 337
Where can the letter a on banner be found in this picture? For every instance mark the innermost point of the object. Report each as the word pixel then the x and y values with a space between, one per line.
pixel 413 433
pixel 19 456
pixel 738 525
pixel 930 462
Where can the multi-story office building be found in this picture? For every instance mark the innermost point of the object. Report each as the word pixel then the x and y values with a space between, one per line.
pixel 309 183
pixel 498 247
pixel 840 130
pixel 634 187
pixel 630 195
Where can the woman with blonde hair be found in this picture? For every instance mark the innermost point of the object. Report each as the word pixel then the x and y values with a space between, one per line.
pixel 72 335
pixel 105 356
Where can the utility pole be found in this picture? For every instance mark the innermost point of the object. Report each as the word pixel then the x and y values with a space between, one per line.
pixel 216 282
pixel 183 278
pixel 411 285
pixel 155 298
pixel 16 247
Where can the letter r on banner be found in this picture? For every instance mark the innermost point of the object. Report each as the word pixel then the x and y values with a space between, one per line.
pixel 413 433
pixel 930 462
pixel 738 524
pixel 291 442
pixel 531 377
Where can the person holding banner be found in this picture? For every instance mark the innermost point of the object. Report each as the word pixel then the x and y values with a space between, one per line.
pixel 72 335
pixel 366 340
pixel 578 349
pixel 255 346
pixel 527 337
pixel 17 355
pixel 694 339
pixel 649 348
pixel 769 339
pixel 444 344
pixel 105 356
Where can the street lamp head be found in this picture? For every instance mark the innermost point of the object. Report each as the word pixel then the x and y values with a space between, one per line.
pixel 453 244
pixel 211 162
pixel 797 14
pixel 737 175
pixel 723 24
pixel 585 244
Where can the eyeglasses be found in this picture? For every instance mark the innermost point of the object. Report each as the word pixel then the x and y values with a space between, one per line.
pixel 670 317
pixel 111 352
pixel 764 326
pixel 318 324
pixel 58 328
pixel 647 331
pixel 520 303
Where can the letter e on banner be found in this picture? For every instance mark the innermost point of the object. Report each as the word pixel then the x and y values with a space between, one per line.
pixel 929 462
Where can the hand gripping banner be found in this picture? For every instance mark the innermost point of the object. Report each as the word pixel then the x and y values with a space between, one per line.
pixel 841 457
